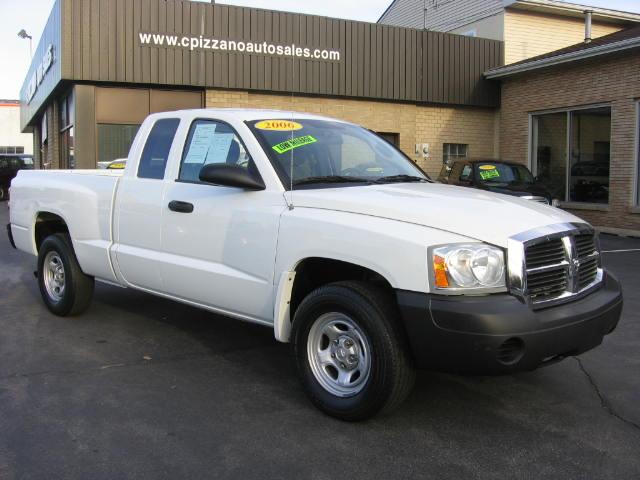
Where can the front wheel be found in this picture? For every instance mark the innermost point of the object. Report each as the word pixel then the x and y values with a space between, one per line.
pixel 64 287
pixel 350 351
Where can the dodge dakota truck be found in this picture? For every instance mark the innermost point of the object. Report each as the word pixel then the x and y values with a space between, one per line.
pixel 325 232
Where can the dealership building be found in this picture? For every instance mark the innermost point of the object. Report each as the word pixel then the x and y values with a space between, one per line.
pixel 571 114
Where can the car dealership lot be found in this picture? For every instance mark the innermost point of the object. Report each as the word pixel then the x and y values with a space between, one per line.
pixel 147 388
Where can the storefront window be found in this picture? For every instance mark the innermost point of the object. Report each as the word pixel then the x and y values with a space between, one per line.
pixel 590 147
pixel 638 154
pixel 43 142
pixel 114 140
pixel 571 153
pixel 67 114
pixel 550 152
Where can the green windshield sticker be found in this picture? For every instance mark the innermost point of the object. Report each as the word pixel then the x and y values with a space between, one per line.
pixel 294 143
pixel 487 174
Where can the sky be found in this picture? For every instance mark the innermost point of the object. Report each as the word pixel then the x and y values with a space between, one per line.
pixel 32 16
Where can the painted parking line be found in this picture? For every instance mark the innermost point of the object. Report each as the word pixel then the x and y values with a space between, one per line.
pixel 622 251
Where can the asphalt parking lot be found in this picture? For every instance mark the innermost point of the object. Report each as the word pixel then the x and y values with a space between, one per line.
pixel 141 387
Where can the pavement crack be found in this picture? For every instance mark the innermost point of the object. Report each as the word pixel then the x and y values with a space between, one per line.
pixel 159 360
pixel 604 403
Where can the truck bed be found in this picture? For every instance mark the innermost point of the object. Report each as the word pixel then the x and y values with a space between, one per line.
pixel 82 198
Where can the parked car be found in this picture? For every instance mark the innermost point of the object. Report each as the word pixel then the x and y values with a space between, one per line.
pixel 496 176
pixel 117 164
pixel 330 236
pixel 9 166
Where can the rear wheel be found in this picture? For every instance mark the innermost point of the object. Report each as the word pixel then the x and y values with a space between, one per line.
pixel 64 287
pixel 351 353
pixel 4 193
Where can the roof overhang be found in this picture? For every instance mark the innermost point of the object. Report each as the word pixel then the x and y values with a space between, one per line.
pixel 563 58
pixel 573 10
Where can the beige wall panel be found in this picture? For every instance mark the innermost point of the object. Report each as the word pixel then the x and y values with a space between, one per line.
pixel 528 34
pixel 85 126
pixel 121 105
pixel 169 100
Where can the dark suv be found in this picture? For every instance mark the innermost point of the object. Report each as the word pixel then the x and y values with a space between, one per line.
pixel 10 163
pixel 496 176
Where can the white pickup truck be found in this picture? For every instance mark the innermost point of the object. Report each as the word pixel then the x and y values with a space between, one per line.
pixel 328 234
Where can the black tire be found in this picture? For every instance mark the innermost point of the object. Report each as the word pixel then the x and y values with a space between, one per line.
pixel 391 374
pixel 78 287
pixel 4 193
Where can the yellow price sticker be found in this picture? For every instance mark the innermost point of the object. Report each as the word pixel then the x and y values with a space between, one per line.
pixel 278 125
pixel 487 167
pixel 116 166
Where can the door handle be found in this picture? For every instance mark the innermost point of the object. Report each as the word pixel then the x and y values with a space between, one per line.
pixel 180 207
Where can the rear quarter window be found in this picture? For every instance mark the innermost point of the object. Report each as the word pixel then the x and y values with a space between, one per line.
pixel 153 160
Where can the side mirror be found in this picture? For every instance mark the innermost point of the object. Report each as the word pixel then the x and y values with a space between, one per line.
pixel 230 176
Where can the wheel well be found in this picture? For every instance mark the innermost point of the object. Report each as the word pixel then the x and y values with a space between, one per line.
pixel 312 273
pixel 48 224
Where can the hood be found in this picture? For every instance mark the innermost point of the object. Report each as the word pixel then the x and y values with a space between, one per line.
pixel 477 214
pixel 520 189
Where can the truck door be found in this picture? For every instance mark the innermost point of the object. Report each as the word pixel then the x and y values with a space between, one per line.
pixel 219 242
pixel 138 209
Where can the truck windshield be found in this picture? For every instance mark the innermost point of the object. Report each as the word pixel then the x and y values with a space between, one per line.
pixel 494 172
pixel 314 152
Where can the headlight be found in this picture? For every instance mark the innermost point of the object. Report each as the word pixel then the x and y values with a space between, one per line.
pixel 467 268
pixel 555 202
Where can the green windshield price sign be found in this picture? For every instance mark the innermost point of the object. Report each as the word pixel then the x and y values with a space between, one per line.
pixel 487 174
pixel 294 143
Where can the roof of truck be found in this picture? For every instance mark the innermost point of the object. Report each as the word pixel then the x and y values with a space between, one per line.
pixel 248 114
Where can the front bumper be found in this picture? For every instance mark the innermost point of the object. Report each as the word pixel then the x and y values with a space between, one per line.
pixel 498 334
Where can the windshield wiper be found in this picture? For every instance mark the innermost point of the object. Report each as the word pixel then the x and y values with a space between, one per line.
pixel 331 179
pixel 401 178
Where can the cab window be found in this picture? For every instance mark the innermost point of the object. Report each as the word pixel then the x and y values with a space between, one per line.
pixel 156 151
pixel 210 142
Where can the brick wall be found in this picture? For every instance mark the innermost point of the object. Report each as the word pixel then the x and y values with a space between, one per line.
pixel 476 127
pixel 528 34
pixel 614 81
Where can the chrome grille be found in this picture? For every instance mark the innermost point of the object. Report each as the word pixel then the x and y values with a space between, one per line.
pixel 558 263
pixel 548 253
pixel 546 269
pixel 587 253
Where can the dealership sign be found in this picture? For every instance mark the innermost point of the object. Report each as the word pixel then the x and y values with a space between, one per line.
pixel 41 69
pixel 237 46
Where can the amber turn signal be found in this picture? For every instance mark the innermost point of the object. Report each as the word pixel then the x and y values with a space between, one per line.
pixel 440 271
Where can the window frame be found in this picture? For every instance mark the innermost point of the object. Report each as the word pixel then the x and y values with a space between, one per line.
pixel 183 151
pixel 471 176
pixel 168 152
pixel 448 156
pixel 636 163
pixel 533 139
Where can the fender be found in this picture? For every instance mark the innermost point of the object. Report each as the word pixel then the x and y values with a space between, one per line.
pixel 281 307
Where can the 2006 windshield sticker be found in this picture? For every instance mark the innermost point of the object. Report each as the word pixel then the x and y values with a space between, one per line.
pixel 278 125
pixel 294 143
pixel 487 174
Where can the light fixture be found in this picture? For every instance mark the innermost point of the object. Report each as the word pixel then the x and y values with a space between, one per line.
pixel 23 34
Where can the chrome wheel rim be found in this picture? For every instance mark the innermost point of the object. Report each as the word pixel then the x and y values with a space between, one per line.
pixel 53 276
pixel 339 354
